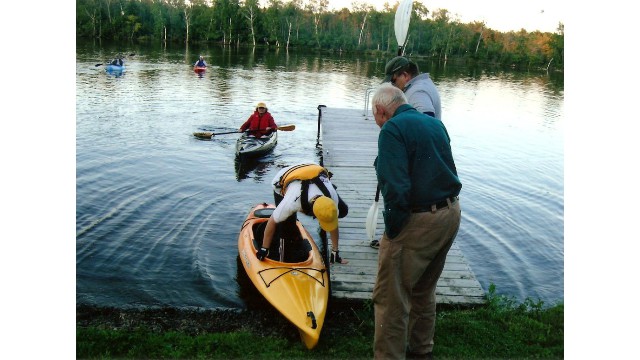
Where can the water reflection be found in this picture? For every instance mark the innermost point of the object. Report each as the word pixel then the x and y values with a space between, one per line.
pixel 256 168
pixel 200 72
pixel 247 291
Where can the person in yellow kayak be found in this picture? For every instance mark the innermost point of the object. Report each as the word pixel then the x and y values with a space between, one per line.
pixel 304 188
pixel 260 123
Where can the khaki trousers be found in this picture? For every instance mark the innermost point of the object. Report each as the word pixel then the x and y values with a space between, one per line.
pixel 404 296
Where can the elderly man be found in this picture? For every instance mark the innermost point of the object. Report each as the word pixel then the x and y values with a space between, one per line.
pixel 420 186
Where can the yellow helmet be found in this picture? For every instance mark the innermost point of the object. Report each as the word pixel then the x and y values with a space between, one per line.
pixel 261 104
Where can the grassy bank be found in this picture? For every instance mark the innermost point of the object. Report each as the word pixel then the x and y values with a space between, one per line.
pixel 502 329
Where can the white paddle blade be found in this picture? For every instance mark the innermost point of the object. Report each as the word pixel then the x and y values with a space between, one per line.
pixel 372 220
pixel 401 24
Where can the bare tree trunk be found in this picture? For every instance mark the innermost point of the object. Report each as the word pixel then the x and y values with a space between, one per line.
pixel 187 20
pixel 209 29
pixel 93 20
pixel 251 16
pixel 364 21
pixel 289 35
pixel 479 38
pixel 109 12
pixel 446 49
pixel 253 32
pixel 316 21
pixel 317 7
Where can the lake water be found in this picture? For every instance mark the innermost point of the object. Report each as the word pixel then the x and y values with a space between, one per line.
pixel 158 211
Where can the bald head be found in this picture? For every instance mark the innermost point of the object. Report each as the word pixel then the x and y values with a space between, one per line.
pixel 385 101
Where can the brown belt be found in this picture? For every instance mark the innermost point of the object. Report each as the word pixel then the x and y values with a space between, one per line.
pixel 438 205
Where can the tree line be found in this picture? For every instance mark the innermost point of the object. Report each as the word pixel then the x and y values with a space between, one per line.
pixel 309 24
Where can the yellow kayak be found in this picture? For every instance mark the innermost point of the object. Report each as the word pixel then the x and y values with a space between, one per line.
pixel 293 278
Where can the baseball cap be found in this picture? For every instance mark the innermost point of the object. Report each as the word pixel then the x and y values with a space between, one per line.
pixel 394 65
pixel 325 210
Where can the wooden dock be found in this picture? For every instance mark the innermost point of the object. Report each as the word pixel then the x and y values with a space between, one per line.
pixel 349 139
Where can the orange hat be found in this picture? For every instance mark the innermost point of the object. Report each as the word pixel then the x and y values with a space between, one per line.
pixel 325 210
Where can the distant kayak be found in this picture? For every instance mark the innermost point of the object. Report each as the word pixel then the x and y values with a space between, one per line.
pixel 114 68
pixel 199 69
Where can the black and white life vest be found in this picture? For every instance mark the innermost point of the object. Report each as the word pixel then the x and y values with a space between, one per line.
pixel 306 174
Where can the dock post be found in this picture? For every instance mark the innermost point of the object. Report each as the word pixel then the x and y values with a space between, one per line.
pixel 319 117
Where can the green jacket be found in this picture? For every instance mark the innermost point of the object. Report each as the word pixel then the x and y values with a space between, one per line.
pixel 415 166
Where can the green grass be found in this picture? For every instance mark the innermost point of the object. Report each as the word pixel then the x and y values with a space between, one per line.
pixel 502 329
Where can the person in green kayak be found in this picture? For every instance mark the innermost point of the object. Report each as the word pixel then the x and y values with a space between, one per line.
pixel 260 123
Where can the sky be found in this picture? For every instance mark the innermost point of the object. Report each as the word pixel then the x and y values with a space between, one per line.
pixel 501 15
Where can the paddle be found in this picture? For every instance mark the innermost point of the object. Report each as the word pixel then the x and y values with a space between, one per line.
pixel 401 23
pixel 372 216
pixel 209 135
pixel 132 54
pixel 401 27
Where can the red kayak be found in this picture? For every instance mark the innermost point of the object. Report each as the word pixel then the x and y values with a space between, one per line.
pixel 199 69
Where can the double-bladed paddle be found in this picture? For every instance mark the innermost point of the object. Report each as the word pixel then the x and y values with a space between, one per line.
pixel 132 54
pixel 209 135
pixel 401 27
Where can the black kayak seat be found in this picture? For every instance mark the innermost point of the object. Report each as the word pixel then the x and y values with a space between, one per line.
pixel 295 250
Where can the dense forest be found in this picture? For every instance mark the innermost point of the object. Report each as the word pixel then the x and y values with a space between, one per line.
pixel 309 24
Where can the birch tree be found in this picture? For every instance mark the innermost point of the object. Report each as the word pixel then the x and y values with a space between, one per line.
pixel 187 18
pixel 317 8
pixel 364 9
pixel 250 12
pixel 273 16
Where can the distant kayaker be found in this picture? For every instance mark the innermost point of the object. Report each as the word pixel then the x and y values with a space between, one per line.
pixel 304 188
pixel 117 61
pixel 200 62
pixel 260 123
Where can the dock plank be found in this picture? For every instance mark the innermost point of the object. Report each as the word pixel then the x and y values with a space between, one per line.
pixel 349 142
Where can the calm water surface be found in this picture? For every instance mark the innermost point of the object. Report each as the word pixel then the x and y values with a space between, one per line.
pixel 158 211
